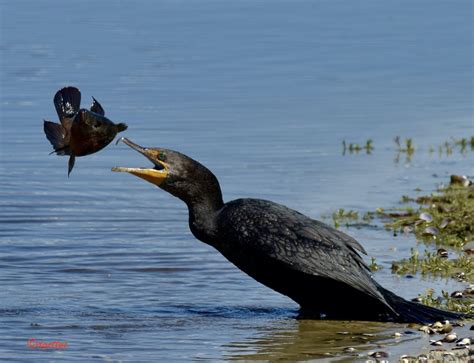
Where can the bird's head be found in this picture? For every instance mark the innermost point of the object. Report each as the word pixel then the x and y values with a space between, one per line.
pixel 176 173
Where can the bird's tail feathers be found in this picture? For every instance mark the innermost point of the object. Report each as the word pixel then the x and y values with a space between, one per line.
pixel 413 312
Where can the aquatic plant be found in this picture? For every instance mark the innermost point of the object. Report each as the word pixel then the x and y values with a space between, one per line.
pixel 374 266
pixel 445 218
pixel 452 216
pixel 355 148
pixel 341 216
pixel 430 263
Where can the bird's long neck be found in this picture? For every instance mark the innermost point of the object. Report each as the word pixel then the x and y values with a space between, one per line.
pixel 203 213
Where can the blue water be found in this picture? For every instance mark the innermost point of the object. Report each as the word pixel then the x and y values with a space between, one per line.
pixel 263 93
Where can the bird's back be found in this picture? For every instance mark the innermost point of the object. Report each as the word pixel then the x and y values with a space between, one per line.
pixel 312 263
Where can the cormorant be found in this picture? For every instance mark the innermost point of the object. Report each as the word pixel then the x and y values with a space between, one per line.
pixel 317 266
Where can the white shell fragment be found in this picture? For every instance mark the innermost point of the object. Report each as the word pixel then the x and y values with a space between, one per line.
pixel 450 338
pixel 444 223
pixel 426 217
pixel 463 342
pixel 431 231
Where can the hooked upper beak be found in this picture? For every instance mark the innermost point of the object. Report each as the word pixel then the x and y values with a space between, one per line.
pixel 154 175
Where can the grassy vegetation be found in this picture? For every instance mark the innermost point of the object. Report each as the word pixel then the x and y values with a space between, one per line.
pixel 432 264
pixel 444 218
pixel 444 222
pixel 445 301
pixel 344 217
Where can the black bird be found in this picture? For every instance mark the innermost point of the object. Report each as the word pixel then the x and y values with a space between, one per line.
pixel 81 132
pixel 314 264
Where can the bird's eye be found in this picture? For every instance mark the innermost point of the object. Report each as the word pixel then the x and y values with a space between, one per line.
pixel 162 156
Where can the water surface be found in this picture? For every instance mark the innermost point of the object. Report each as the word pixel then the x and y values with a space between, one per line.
pixel 263 93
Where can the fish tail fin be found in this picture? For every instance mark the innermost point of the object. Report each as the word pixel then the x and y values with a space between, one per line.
pixel 413 312
pixel 67 102
pixel 56 134
pixel 70 164
pixel 121 127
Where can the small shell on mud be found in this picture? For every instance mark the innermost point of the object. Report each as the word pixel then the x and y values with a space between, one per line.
pixel 460 180
pixel 469 248
pixel 378 354
pixel 426 329
pixel 469 290
pixel 450 338
pixel 433 231
pixel 444 223
pixel 407 229
pixel 447 328
pixel 463 342
pixel 426 217
pixel 460 275
pixel 442 253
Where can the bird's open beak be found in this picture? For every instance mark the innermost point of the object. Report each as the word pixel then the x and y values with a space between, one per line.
pixel 154 175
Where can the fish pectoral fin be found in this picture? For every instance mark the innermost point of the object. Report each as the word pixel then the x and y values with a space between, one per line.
pixel 72 160
pixel 97 107
pixel 67 102
pixel 56 134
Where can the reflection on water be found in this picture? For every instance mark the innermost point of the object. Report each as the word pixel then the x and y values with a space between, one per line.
pixel 263 93
pixel 306 339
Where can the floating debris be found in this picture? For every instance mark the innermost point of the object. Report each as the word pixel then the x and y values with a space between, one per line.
pixel 457 294
pixel 436 342
pixel 349 350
